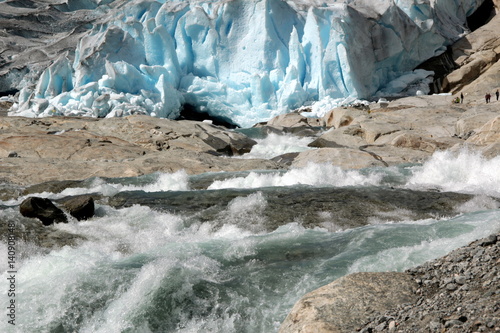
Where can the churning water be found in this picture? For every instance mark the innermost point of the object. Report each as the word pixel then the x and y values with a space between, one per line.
pixel 233 252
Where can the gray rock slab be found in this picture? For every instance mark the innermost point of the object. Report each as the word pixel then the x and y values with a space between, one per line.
pixel 345 304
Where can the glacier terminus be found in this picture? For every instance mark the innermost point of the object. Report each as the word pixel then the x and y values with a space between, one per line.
pixel 243 60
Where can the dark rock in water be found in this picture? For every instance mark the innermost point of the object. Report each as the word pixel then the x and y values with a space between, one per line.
pixel 327 207
pixel 80 207
pixel 43 209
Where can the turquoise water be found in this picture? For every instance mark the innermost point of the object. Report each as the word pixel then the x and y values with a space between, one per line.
pixel 148 269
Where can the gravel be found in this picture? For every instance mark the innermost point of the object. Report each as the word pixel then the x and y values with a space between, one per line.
pixel 458 293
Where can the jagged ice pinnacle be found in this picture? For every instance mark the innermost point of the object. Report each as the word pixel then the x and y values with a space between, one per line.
pixel 245 60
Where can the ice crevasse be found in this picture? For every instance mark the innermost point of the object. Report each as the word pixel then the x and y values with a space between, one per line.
pixel 245 60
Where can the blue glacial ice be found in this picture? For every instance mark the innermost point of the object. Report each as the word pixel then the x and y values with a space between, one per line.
pixel 246 60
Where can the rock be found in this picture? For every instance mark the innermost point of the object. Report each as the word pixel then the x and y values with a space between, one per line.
pixel 414 141
pixel 372 130
pixel 451 287
pixel 285 159
pixel 344 304
pixel 300 131
pixel 418 102
pixel 340 117
pixel 29 232
pixel 475 55
pixel 478 63
pixel 490 240
pixel 350 136
pixel 43 209
pixel 469 123
pixel 293 119
pixel 468 308
pixel 487 134
pixel 345 158
pixel 490 151
pixel 76 148
pixel 80 207
pixel 55 186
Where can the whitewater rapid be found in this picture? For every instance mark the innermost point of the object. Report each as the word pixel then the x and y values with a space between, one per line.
pixel 151 269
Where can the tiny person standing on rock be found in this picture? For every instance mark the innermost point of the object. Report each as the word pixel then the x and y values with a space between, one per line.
pixel 487 97
pixel 462 97
pixel 497 93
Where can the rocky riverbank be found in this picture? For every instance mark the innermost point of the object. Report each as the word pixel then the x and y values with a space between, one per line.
pixel 61 148
pixel 406 130
pixel 456 293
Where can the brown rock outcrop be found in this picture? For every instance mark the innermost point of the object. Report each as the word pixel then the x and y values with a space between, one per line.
pixel 476 56
pixel 79 148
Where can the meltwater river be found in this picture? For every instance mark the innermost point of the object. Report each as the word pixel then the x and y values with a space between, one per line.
pixel 233 252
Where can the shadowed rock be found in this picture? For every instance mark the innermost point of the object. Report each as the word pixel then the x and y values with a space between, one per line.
pixel 80 207
pixel 42 209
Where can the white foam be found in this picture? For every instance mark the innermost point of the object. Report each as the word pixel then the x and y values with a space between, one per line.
pixel 133 254
pixel 275 145
pixel 163 182
pixel 465 171
pixel 313 174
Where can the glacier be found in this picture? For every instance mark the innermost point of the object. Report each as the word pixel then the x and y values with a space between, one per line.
pixel 243 60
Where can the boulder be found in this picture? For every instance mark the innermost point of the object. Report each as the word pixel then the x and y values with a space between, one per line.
pixel 435 121
pixel 471 122
pixel 55 186
pixel 344 116
pixel 420 140
pixel 476 56
pixel 478 63
pixel 413 141
pixel 115 138
pixel 487 134
pixel 347 303
pixel 42 209
pixel 345 158
pixel 388 154
pixel 372 130
pixel 349 136
pixel 80 207
pixel 285 159
pixel 294 119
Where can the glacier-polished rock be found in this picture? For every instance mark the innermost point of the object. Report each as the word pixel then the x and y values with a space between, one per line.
pixel 244 60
